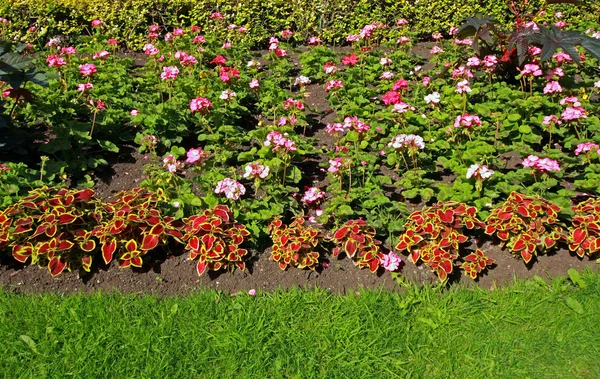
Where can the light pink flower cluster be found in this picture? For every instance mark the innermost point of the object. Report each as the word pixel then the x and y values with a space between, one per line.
pixel 386 75
pixel 473 61
pixel 574 110
pixel 552 87
pixel 70 50
pixel 554 72
pixel 314 41
pixel 407 141
pixel 587 146
pixel 402 107
pixel 402 22
pixel 562 57
pixel 436 50
pixel 403 40
pixel 185 59
pixel 479 171
pixel 541 164
pixel 84 87
pixel 335 128
pixel 256 171
pixel 287 34
pixel 87 69
pixel 385 61
pixel 196 156
pixel 333 84
pixel 337 164
pixel 280 143
pixel 466 41
pixel 330 68
pixel 463 87
pixel 356 124
pixel 291 103
pixel 97 23
pixel 102 55
pixel 201 105
pixel 231 188
pixel 150 49
pixel 490 61
pixel 462 72
pixel 254 84
pixel 313 195
pixel 531 70
pixel 368 30
pixel 437 36
pixel 169 72
pixel 227 95
pixel 199 40
pixel 466 121
pixel 390 262
pixel 353 38
pixel 549 120
pixel 171 163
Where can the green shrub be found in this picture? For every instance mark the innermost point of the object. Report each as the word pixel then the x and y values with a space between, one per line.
pixel 332 20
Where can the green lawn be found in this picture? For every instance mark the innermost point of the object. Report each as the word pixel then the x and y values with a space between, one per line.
pixel 526 330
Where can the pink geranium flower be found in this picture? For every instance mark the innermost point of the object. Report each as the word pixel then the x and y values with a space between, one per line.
pixel 87 69
pixel 390 262
pixel 231 188
pixel 201 105
pixel 169 73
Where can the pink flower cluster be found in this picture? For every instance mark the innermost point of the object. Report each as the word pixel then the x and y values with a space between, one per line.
pixel 201 105
pixel 150 49
pixel 531 70
pixel 274 46
pixel 552 87
pixel 55 61
pixel 196 156
pixel 231 188
pixel 356 124
pixel 291 103
pixel 312 195
pixel 280 143
pixel 256 170
pixel 337 164
pixel 574 111
pixel 368 30
pixel 87 69
pixel 390 262
pixel 333 84
pixel 171 163
pixel 479 171
pixel 169 72
pixel 466 121
pixel 587 146
pixel 407 141
pixel 350 60
pixel 185 59
pixel 102 55
pixel 541 164
pixel 330 68
pixel 402 107
pixel 226 74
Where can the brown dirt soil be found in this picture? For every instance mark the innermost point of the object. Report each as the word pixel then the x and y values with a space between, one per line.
pixel 176 275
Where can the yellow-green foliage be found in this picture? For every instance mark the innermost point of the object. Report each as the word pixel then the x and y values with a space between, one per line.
pixel 332 20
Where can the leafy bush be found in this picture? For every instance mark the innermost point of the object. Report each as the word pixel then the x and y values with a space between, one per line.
pixel 294 244
pixel 528 225
pixel 129 19
pixel 357 239
pixel 434 235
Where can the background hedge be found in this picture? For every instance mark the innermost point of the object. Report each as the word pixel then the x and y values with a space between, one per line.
pixel 332 20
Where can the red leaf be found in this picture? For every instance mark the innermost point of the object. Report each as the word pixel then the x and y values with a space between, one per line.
pixel 526 256
pixel 208 241
pixel 446 265
pixel 222 213
pixel 136 262
pixel 108 249
pixel 341 233
pixel 579 235
pixel 447 217
pixel 193 244
pixel 56 266
pixel 373 265
pixel 201 267
pixel 519 245
pixel 86 263
pixel 66 218
pixel 350 248
pixel 88 246
pixel 149 242
pixel 22 252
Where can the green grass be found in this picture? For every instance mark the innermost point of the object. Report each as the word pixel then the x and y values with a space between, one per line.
pixel 529 329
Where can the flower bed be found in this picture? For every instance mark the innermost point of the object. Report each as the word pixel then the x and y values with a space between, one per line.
pixel 305 151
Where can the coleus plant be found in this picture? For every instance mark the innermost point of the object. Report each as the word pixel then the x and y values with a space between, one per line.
pixel 434 235
pixel 214 239
pixel 50 227
pixel 528 225
pixel 584 235
pixel 475 263
pixel 133 225
pixel 357 240
pixel 294 244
